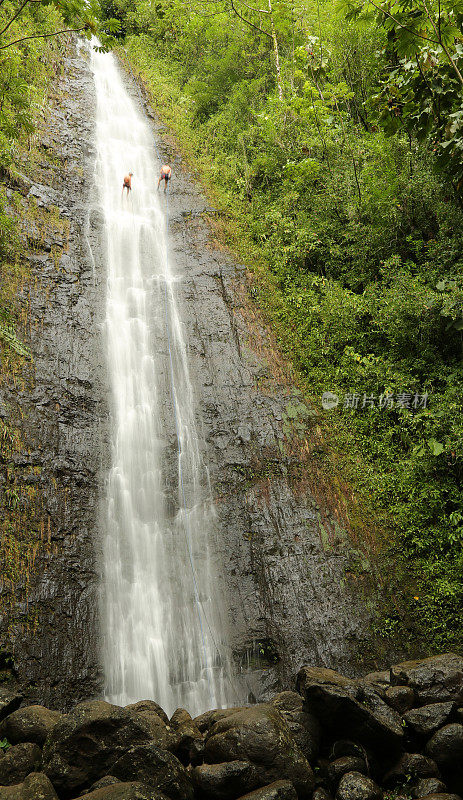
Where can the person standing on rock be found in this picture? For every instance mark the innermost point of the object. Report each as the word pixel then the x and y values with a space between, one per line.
pixel 127 184
pixel 166 175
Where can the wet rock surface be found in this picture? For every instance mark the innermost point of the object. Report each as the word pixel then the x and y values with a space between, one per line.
pixel 104 752
pixel 48 611
pixel 283 554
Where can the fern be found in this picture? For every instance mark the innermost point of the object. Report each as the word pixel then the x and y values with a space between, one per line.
pixel 8 335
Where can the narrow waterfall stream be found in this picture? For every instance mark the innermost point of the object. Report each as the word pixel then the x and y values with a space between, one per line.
pixel 164 628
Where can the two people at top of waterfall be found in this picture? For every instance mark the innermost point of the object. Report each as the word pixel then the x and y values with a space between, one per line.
pixel 127 183
pixel 166 175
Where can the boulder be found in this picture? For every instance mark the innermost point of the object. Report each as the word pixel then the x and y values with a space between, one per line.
pixel 411 765
pixel 156 768
pixel 18 761
pixel 156 720
pixel 304 727
pixel 108 780
pixel 438 679
pixel 260 735
pixel 427 719
pixel 379 680
pixel 189 741
pixel 35 787
pixel 134 790
pixel 84 744
pixel 278 790
pixel 426 786
pixel 9 701
pixel 350 708
pixel 225 781
pixel 205 721
pixel 149 707
pixel 442 797
pixel 446 746
pixel 340 766
pixel 355 786
pixel 29 724
pixel 401 698
pixel 320 793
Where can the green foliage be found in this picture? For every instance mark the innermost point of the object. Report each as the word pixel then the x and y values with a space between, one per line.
pixel 360 237
pixel 421 92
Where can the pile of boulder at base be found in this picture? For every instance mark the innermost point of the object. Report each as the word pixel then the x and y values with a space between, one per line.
pixel 396 735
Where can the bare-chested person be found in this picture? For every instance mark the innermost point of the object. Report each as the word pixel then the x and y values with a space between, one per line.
pixel 127 183
pixel 166 175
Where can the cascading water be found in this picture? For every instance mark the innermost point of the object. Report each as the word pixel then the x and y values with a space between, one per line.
pixel 163 627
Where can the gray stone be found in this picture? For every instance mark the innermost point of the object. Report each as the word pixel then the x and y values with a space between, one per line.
pixel 18 761
pixel 261 735
pixel 345 707
pixel 427 719
pixel 426 786
pixel 340 766
pixel 411 765
pixel 446 746
pixel 401 698
pixel 157 769
pixel 434 680
pixel 29 724
pixel 278 790
pixel 84 744
pixel 225 781
pixel 35 787
pixel 9 701
pixel 355 786
pixel 133 790
pixel 304 726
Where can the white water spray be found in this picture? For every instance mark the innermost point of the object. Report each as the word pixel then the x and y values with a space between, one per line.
pixel 161 600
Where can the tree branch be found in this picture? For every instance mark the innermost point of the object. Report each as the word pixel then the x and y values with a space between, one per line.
pixel 44 36
pixel 401 25
pixel 250 24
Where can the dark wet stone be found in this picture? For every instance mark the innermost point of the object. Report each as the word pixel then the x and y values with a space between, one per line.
pixel 442 796
pixel 379 680
pixel 85 744
pixel 205 721
pixel 340 766
pixel 411 765
pixel 261 735
pixel 148 708
pixel 426 786
pixel 107 780
pixel 225 781
pixel 9 701
pixel 278 790
pixel 189 741
pixel 347 708
pixel 132 790
pixel 401 698
pixel 427 719
pixel 35 787
pixel 320 793
pixel 345 747
pixel 156 768
pixel 18 761
pixel 446 746
pixel 304 726
pixel 355 786
pixel 434 680
pixel 29 724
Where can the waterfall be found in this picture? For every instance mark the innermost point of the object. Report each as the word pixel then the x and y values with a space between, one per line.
pixel 164 629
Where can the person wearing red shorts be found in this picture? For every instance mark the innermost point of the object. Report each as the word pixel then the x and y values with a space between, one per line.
pixel 127 183
pixel 166 175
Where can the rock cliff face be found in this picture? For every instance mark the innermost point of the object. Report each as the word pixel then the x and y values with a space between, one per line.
pixel 283 553
pixel 48 603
